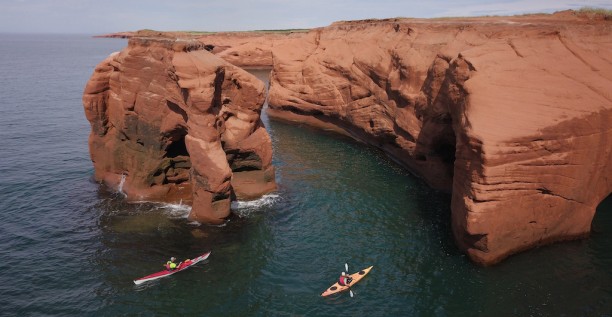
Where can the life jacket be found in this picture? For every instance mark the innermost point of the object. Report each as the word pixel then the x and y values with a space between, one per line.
pixel 343 280
pixel 171 265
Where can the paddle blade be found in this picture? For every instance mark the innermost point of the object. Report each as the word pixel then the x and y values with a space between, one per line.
pixel 346 266
pixel 351 293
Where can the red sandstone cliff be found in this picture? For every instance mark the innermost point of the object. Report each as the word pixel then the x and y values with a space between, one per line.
pixel 177 122
pixel 513 114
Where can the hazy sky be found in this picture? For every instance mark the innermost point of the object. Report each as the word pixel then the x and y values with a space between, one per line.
pixel 101 16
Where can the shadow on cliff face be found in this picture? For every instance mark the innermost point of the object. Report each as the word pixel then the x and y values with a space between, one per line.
pixel 602 212
pixel 177 148
pixel 176 162
pixel 435 150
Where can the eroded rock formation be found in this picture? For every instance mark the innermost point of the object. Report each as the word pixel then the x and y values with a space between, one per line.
pixel 511 114
pixel 171 121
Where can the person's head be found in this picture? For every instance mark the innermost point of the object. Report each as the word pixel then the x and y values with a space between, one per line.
pixel 172 258
pixel 343 274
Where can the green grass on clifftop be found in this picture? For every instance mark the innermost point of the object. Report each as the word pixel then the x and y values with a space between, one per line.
pixel 591 12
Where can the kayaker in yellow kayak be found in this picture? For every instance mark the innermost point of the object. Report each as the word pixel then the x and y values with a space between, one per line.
pixel 171 265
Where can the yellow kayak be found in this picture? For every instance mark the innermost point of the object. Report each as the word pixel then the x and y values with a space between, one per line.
pixel 337 288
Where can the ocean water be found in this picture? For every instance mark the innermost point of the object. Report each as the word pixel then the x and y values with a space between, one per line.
pixel 70 247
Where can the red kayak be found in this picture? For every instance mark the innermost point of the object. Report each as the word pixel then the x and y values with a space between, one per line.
pixel 182 266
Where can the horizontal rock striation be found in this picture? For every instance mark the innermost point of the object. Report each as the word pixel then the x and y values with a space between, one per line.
pixel 511 114
pixel 534 138
pixel 171 121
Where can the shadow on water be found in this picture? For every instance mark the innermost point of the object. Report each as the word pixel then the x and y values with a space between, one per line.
pixel 435 209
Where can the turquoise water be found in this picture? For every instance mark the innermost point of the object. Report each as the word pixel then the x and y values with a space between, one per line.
pixel 72 248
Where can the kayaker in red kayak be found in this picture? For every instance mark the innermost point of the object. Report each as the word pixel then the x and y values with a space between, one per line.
pixel 344 279
pixel 171 269
pixel 171 265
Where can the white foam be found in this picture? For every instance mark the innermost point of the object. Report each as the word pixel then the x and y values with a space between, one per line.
pixel 175 210
pixel 120 187
pixel 243 208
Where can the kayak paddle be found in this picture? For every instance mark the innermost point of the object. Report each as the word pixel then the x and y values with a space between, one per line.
pixel 346 267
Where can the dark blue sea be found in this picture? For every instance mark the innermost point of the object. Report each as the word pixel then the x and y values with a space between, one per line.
pixel 71 247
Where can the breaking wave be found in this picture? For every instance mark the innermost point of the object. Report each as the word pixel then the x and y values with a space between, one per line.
pixel 179 210
pixel 244 208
